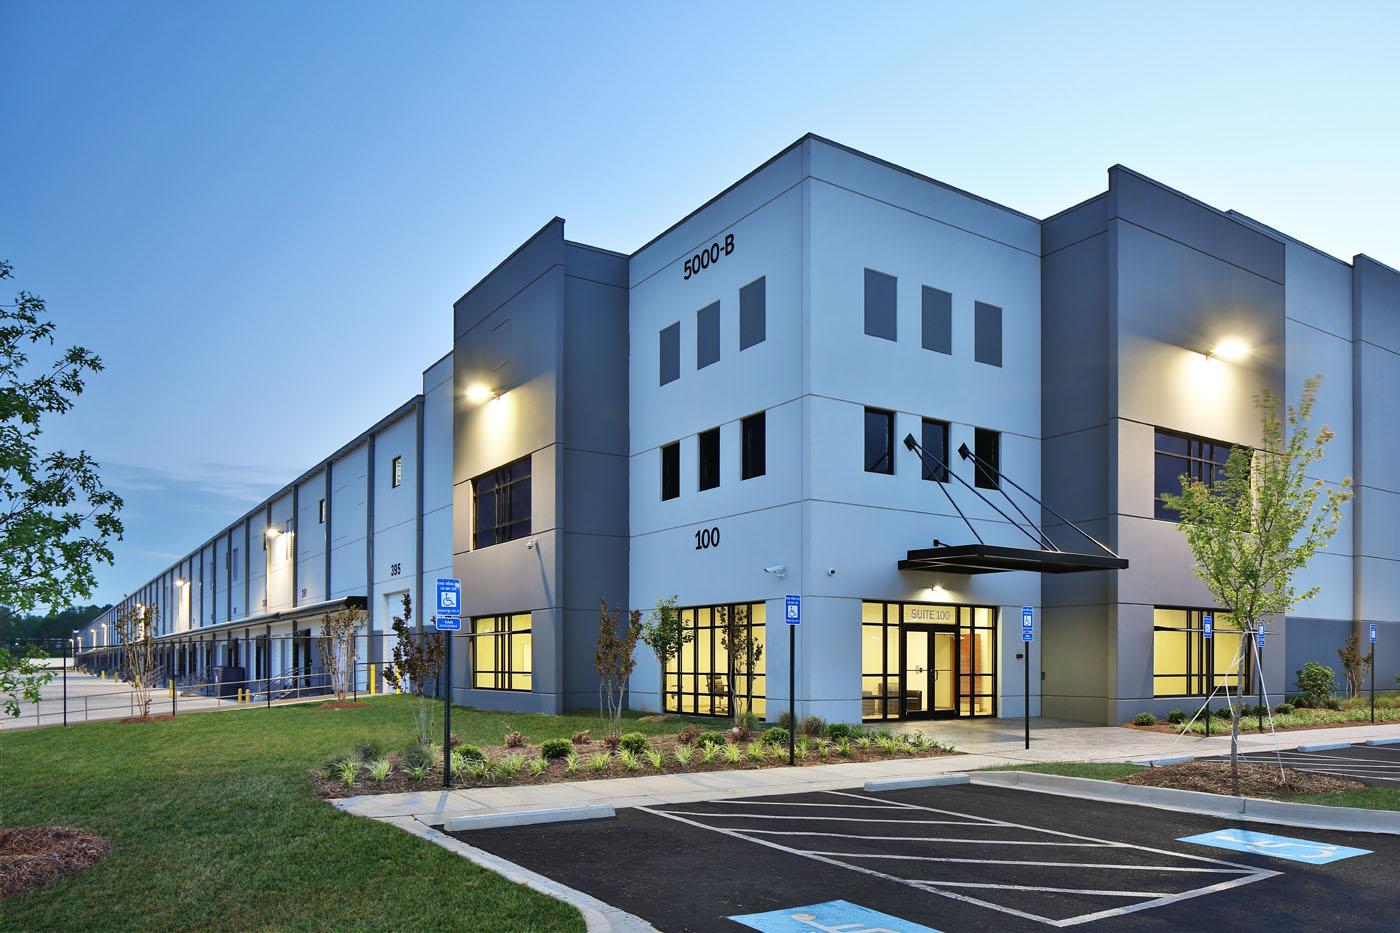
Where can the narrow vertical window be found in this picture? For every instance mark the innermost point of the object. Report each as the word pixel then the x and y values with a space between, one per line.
pixel 753 313
pixel 987 334
pixel 321 512
pixel 671 353
pixel 879 441
pixel 396 471
pixel 988 450
pixel 709 458
pixel 879 304
pixel 755 446
pixel 670 471
pixel 935 443
pixel 707 335
pixel 938 320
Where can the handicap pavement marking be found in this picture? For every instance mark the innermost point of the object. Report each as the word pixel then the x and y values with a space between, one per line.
pixel 1218 875
pixel 1295 850
pixel 829 917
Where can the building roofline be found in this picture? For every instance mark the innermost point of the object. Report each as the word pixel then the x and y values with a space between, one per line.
pixel 1239 215
pixel 513 253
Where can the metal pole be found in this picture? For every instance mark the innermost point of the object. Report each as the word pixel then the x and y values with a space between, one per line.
pixel 65 682
pixel 1027 668
pixel 447 719
pixel 267 669
pixel 1373 682
pixel 792 694
pixel 1259 675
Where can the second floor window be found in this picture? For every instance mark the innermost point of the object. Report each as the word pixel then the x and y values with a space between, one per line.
pixel 709 458
pixel 396 472
pixel 879 441
pixel 988 450
pixel 501 504
pixel 755 444
pixel 1177 455
pixel 670 471
pixel 935 443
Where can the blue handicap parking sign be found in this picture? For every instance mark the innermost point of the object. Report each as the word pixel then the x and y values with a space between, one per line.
pixel 449 597
pixel 1373 633
pixel 448 623
pixel 829 917
pixel 1028 636
pixel 794 610
pixel 1295 850
pixel 1207 623
pixel 1027 617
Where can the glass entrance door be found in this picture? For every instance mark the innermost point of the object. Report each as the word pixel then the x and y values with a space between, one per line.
pixel 930 672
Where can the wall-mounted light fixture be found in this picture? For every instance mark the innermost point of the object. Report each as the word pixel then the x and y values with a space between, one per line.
pixel 1230 350
pixel 478 393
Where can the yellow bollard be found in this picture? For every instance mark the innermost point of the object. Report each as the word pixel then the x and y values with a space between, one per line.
pixel 171 691
pixel 373 674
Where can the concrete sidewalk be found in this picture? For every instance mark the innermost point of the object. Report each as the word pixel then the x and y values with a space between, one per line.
pixel 987 745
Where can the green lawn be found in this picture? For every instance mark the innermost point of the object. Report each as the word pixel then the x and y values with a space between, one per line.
pixel 1371 798
pixel 1102 771
pixel 214 827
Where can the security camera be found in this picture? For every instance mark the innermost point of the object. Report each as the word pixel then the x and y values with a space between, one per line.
pixel 831 571
pixel 777 570
pixel 530 545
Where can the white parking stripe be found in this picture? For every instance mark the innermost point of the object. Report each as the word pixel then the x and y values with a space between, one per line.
pixel 830 819
pixel 997 861
pixel 974 842
pixel 1034 887
pixel 788 803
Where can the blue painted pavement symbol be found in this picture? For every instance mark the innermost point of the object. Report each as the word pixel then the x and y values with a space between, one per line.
pixel 830 917
pixel 1295 850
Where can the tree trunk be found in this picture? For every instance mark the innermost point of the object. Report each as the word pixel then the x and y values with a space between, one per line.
pixel 1235 721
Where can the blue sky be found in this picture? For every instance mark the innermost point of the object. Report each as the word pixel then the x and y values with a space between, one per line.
pixel 259 214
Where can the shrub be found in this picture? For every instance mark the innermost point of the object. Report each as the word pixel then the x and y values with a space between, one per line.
pixel 776 736
pixel 515 739
pixel 683 754
pixel 600 761
pixel 655 758
pixel 379 769
pixel 538 766
pixel 708 751
pixel 755 751
pixel 1176 717
pixel 629 759
pixel 1316 683
pixel 581 738
pixel 733 752
pixel 1257 710
pixel 368 751
pixel 1223 713
pixel 572 762
pixel 418 772
pixel 555 748
pixel 612 741
pixel 1283 709
pixel 837 731
pixel 689 733
pixel 785 721
pixel 1332 703
pixel 747 720
pixel 1144 719
pixel 813 726
pixel 711 738
pixel 635 742
pixel 415 755
pixel 453 741
pixel 348 770
pixel 469 752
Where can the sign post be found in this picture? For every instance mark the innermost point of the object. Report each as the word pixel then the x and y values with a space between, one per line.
pixel 1027 637
pixel 793 616
pixel 449 620
pixel 1260 675
pixel 1373 672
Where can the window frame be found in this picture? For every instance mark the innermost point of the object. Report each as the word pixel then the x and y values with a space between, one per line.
pixel 888 455
pixel 717 700
pixel 1208 470
pixel 936 319
pixel 669 351
pixel 753 313
pixel 704 441
pixel 321 512
pixel 670 463
pixel 707 335
pixel 984 316
pixel 509 481
pixel 874 312
pixel 929 472
pixel 981 478
pixel 754 450
pixel 396 472
pixel 503 640
pixel 1200 676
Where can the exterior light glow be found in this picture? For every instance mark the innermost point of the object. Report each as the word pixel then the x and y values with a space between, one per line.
pixel 1229 350
pixel 273 532
pixel 480 393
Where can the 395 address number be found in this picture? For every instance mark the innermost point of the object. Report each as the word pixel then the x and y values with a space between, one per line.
pixel 708 256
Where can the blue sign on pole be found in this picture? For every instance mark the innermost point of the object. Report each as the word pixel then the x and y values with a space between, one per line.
pixel 1027 618
pixel 1260 636
pixel 793 614
pixel 1373 633
pixel 1027 635
pixel 449 597
pixel 448 623
pixel 1208 623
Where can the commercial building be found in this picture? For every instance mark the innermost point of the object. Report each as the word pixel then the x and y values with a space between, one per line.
pixel 721 415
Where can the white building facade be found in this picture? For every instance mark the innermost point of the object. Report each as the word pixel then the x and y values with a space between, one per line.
pixel 720 416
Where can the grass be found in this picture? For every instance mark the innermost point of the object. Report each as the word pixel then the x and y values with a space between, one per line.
pixel 214 826
pixel 1098 770
pixel 1370 798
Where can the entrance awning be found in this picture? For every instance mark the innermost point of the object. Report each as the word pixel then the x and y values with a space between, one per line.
pixel 991 558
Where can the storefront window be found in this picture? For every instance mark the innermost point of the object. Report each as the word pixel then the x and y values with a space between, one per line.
pixel 1184 663
pixel 723 664
pixel 501 652
pixel 909 663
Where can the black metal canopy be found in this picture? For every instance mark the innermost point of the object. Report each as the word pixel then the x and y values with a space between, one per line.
pixel 1044 557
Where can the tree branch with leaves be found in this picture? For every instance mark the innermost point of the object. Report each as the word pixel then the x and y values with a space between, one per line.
pixel 418 657
pixel 614 657
pixel 136 630
pixel 665 635
pixel 1254 529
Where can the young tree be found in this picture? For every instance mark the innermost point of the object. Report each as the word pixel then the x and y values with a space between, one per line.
pixel 340 649
pixel 744 650
pixel 664 634
pixel 55 516
pixel 614 657
pixel 417 659
pixel 1356 664
pixel 1253 530
pixel 136 632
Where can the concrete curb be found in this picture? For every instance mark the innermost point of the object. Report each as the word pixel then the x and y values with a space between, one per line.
pixel 598 917
pixel 1323 747
pixel 1162 762
pixel 1311 815
pixel 1383 742
pixel 942 780
pixel 528 817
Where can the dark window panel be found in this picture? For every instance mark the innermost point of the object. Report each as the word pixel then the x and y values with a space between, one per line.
pixel 755 446
pixel 707 336
pixel 987 334
pixel 935 442
pixel 753 314
pixel 879 441
pixel 709 458
pixel 938 320
pixel 987 446
pixel 671 353
pixel 501 503
pixel 670 471
pixel 880 311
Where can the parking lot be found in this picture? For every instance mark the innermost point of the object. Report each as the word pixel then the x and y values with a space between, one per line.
pixel 957 858
pixel 1375 764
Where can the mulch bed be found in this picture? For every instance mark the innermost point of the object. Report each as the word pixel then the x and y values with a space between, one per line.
pixel 397 783
pixel 1220 727
pixel 346 705
pixel 32 856
pixel 166 717
pixel 1213 777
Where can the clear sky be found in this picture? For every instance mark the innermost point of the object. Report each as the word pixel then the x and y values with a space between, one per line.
pixel 260 213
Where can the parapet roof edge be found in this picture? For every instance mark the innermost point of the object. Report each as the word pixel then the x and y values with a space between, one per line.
pixel 1372 259
pixel 844 148
pixel 1239 215
pixel 1074 207
pixel 598 249
pixel 1194 200
pixel 497 267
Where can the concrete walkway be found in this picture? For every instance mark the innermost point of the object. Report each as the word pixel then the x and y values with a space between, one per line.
pixel 987 744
